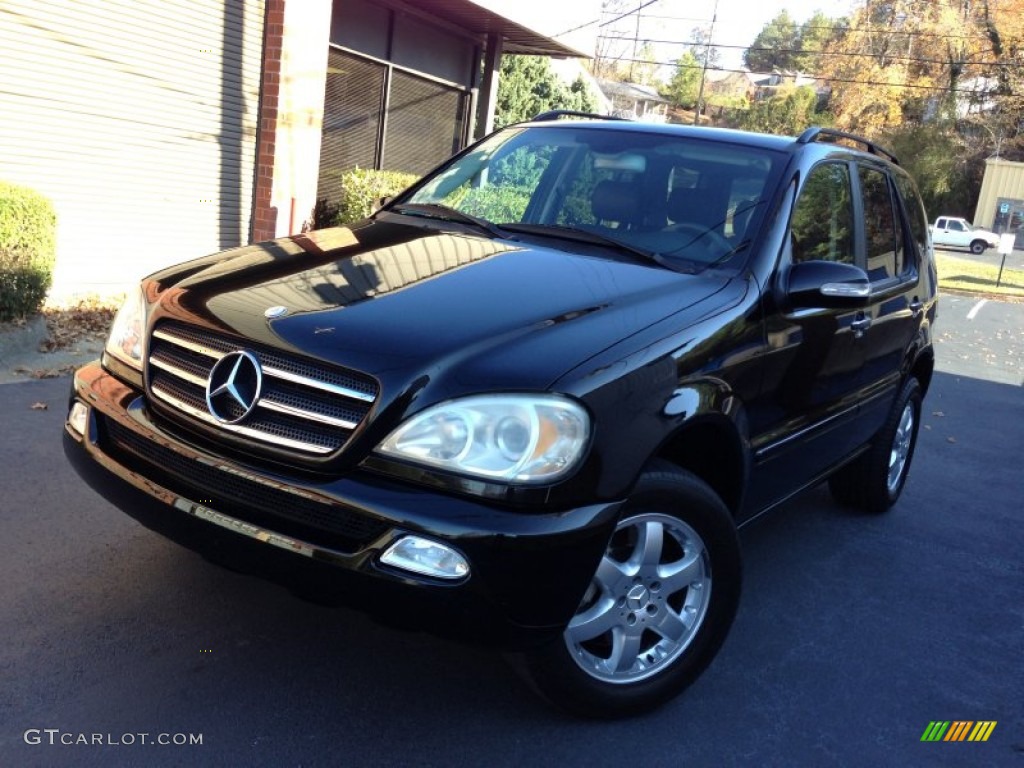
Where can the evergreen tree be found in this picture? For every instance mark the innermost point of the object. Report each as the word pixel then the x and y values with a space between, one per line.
pixel 527 87
pixel 684 86
pixel 775 45
pixel 812 39
pixel 787 114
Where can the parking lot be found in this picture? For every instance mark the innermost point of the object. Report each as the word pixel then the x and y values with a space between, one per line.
pixel 854 632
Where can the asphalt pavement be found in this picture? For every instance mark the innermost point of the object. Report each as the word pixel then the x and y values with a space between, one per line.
pixel 854 633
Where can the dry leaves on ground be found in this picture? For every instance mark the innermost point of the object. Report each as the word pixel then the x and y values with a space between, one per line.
pixel 45 373
pixel 83 320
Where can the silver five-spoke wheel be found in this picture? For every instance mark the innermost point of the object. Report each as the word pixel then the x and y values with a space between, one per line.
pixel 901 445
pixel 656 608
pixel 646 602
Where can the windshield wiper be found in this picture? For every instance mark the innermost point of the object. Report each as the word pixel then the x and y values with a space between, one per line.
pixel 586 236
pixel 739 248
pixel 444 213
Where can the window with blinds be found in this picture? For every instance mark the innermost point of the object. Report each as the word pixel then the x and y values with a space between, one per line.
pixel 379 116
pixel 353 99
pixel 426 123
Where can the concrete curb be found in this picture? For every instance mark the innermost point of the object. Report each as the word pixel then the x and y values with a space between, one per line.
pixel 16 342
pixel 22 360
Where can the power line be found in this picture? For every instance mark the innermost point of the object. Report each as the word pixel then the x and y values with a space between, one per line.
pixel 610 21
pixel 804 51
pixel 837 28
pixel 628 13
pixel 824 78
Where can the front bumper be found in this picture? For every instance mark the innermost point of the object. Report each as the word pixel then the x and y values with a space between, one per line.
pixel 528 569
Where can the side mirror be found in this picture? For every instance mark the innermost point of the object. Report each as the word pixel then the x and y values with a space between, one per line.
pixel 833 284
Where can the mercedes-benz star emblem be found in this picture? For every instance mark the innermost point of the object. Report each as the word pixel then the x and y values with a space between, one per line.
pixel 234 386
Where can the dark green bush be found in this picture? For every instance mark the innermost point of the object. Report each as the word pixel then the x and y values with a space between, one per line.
pixel 362 189
pixel 497 204
pixel 28 248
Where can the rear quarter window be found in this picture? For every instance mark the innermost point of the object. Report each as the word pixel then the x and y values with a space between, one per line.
pixel 917 220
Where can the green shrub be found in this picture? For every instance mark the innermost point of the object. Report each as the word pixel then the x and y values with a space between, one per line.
pixel 497 204
pixel 361 192
pixel 28 248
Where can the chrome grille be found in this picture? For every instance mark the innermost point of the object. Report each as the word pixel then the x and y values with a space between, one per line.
pixel 305 405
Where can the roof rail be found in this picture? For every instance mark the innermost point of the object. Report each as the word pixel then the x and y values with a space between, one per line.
pixel 554 114
pixel 815 133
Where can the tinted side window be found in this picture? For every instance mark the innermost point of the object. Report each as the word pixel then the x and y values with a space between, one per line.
pixel 915 212
pixel 822 224
pixel 881 227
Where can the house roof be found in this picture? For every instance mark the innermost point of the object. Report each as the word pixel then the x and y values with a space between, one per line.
pixel 633 91
pixel 518 38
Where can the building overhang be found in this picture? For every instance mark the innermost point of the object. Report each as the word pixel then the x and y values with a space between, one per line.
pixel 513 22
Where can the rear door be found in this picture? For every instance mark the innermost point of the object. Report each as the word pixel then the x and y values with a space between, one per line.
pixel 892 260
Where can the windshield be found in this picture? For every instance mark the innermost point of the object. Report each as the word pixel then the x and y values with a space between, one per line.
pixel 695 200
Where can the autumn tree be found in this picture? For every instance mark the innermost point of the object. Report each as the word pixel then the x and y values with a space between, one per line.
pixel 870 63
pixel 939 81
pixel 921 60
pixel 1002 24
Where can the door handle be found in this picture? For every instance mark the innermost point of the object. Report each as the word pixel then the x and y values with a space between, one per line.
pixel 859 325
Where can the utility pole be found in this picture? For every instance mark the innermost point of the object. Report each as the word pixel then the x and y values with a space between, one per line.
pixel 636 39
pixel 704 69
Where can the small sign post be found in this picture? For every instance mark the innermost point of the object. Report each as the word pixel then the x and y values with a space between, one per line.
pixel 1005 248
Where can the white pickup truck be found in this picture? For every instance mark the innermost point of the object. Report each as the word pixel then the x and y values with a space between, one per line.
pixel 954 232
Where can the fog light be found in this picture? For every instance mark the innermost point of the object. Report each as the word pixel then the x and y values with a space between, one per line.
pixel 78 418
pixel 426 557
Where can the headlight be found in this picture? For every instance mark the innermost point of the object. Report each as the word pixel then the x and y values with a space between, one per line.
pixel 128 333
pixel 508 438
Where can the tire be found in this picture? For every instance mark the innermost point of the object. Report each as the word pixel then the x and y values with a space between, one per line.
pixel 978 246
pixel 658 608
pixel 875 481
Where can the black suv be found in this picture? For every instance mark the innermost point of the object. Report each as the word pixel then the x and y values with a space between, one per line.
pixel 529 402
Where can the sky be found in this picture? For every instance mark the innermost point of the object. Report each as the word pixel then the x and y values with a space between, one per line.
pixel 737 22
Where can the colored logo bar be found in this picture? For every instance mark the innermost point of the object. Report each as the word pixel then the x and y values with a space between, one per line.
pixel 958 730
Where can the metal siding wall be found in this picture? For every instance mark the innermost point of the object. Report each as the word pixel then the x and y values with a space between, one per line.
pixel 1003 178
pixel 138 119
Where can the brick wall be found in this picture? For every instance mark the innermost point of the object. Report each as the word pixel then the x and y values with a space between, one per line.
pixel 264 220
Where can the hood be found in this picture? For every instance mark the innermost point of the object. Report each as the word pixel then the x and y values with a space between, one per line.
pixel 446 310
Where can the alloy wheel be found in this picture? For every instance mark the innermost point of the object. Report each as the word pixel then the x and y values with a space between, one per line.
pixel 901 445
pixel 646 603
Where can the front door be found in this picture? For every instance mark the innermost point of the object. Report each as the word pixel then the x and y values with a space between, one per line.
pixel 806 420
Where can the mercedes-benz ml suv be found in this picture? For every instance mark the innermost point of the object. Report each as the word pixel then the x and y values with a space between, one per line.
pixel 530 400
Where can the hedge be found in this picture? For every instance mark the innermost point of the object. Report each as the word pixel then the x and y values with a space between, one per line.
pixel 28 249
pixel 362 190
